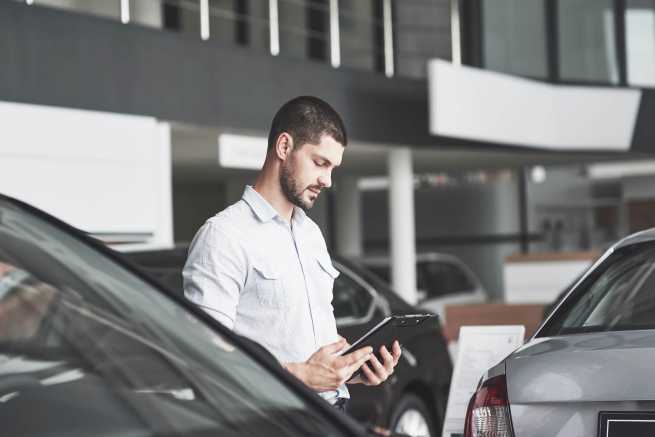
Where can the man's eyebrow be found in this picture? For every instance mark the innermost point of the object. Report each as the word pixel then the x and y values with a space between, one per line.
pixel 325 159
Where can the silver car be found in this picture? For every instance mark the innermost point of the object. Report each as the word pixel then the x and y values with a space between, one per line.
pixel 441 279
pixel 590 368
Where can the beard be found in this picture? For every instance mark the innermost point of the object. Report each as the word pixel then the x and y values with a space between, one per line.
pixel 291 188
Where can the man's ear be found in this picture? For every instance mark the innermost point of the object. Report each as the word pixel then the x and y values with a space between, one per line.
pixel 283 146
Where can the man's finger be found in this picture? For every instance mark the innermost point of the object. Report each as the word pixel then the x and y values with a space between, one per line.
pixel 353 357
pixel 397 351
pixel 388 359
pixel 353 367
pixel 371 377
pixel 334 347
pixel 379 369
pixel 344 339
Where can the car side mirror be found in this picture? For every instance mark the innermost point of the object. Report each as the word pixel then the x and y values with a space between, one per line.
pixel 421 295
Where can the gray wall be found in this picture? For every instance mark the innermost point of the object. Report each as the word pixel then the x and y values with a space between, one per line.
pixel 193 203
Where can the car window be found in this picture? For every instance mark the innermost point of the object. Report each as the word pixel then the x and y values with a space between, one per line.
pixel 91 349
pixel 620 297
pixel 350 298
pixel 438 279
pixel 381 272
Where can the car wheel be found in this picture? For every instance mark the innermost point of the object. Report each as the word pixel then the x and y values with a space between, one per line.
pixel 411 417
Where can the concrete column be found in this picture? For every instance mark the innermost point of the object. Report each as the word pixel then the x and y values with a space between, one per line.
pixel 348 218
pixel 401 230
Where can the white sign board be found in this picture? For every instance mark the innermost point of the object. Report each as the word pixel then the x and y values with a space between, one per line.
pixel 482 105
pixel 480 347
pixel 241 151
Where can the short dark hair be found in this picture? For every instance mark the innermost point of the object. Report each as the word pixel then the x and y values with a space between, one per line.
pixel 307 119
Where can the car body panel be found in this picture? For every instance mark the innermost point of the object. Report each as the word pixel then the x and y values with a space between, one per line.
pixel 559 382
pixel 27 369
pixel 583 367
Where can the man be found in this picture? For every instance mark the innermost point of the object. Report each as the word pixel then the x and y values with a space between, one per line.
pixel 261 266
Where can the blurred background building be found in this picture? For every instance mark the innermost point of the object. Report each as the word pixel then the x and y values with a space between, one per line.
pixel 527 141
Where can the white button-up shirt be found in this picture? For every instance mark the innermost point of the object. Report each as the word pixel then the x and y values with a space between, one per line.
pixel 266 279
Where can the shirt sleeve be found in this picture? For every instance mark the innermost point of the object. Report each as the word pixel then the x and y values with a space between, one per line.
pixel 215 272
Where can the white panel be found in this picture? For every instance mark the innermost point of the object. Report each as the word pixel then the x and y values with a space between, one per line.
pixel 241 151
pixel 539 282
pixel 486 106
pixel 100 172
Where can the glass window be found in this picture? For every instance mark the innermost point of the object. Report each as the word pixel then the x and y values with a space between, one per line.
pixel 127 360
pixel 228 22
pixel 361 34
pixel 587 44
pixel 351 300
pixel 182 16
pixel 640 42
pixel 382 272
pixel 304 29
pixel 440 279
pixel 103 8
pixel 514 37
pixel 620 298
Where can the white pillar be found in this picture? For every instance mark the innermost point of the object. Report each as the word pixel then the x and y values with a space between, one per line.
pixel 335 38
pixel 402 234
pixel 348 217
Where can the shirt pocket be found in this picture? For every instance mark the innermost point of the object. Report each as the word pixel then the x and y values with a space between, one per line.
pixel 326 274
pixel 269 285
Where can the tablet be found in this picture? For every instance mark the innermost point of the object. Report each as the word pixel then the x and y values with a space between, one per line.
pixel 384 333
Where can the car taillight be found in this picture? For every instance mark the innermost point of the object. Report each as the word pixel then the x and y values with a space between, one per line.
pixel 488 411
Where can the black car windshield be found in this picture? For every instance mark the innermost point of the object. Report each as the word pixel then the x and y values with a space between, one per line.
pixel 619 296
pixel 88 348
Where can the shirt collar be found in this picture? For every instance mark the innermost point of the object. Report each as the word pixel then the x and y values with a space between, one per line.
pixel 264 210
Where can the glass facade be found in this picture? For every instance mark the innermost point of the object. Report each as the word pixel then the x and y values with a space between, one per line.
pixel 567 41
pixel 515 37
pixel 587 41
pixel 362 34
pixel 640 42
pixel 305 29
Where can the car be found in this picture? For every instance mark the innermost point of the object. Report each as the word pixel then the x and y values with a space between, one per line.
pixel 441 279
pixel 588 369
pixel 91 346
pixel 413 401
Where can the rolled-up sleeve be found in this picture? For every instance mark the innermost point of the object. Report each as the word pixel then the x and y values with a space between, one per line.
pixel 215 272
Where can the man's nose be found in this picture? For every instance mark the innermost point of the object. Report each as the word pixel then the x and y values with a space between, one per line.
pixel 325 180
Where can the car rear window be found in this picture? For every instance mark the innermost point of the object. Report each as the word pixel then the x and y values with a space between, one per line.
pixel 618 295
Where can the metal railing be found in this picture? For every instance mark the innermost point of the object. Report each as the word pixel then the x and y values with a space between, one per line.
pixel 344 37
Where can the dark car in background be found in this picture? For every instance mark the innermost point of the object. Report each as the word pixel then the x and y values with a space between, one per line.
pixel 413 401
pixel 90 346
pixel 441 279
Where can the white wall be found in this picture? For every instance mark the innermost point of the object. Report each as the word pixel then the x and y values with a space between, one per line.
pixel 101 172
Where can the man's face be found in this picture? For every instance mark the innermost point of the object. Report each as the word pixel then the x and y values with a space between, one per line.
pixel 308 170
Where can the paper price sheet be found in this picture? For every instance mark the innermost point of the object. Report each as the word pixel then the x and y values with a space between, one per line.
pixel 480 347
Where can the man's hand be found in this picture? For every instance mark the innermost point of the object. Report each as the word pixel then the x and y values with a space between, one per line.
pixel 325 370
pixel 374 372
